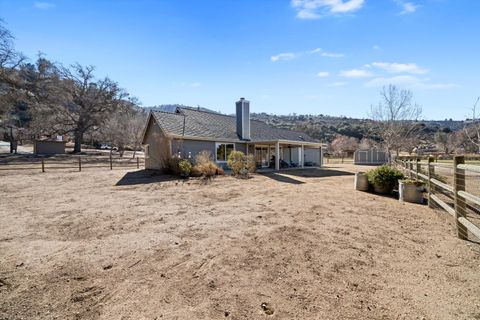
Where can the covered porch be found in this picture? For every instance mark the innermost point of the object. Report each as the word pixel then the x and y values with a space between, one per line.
pixel 285 154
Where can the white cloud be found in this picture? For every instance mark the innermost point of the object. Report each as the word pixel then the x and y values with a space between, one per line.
pixel 376 47
pixel 323 74
pixel 338 84
pixel 356 73
pixel 326 53
pixel 43 5
pixel 409 81
pixel 195 84
pixel 407 6
pixel 283 56
pixel 332 55
pixel 291 55
pixel 315 9
pixel 394 67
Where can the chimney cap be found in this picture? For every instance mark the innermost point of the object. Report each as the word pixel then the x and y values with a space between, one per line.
pixel 242 98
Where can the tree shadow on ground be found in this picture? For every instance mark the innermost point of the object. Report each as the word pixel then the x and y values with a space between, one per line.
pixel 287 176
pixel 144 177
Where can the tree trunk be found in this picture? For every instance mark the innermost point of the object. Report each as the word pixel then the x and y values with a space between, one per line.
pixel 78 142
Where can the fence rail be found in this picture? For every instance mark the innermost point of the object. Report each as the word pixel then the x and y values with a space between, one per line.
pixel 78 163
pixel 454 199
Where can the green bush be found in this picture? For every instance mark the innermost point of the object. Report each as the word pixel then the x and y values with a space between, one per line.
pixel 184 167
pixel 241 164
pixel 384 176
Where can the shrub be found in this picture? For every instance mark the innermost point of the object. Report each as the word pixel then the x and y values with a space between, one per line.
pixel 414 182
pixel 240 163
pixel 195 172
pixel 203 157
pixel 205 165
pixel 235 161
pixel 184 167
pixel 220 171
pixel 384 176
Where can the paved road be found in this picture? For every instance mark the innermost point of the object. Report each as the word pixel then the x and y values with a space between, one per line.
pixel 5 148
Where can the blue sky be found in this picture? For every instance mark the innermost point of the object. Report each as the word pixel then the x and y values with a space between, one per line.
pixel 303 56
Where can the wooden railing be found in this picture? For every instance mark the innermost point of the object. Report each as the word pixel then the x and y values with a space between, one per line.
pixel 463 202
pixel 78 163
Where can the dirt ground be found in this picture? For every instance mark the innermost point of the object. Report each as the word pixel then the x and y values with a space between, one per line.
pixel 123 244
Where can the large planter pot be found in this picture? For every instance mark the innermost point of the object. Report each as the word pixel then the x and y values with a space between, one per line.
pixel 383 189
pixel 410 192
pixel 361 181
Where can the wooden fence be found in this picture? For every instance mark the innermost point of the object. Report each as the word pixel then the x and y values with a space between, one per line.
pixel 450 195
pixel 336 160
pixel 77 163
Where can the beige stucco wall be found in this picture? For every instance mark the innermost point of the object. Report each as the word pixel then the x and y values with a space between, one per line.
pixel 159 146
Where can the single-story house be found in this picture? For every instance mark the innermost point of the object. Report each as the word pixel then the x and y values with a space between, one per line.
pixel 188 131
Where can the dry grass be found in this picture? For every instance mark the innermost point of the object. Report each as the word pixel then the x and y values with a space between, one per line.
pixel 124 245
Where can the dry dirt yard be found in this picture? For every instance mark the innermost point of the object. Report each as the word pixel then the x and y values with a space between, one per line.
pixel 299 245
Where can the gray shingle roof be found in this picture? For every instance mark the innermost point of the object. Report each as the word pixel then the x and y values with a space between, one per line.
pixel 220 127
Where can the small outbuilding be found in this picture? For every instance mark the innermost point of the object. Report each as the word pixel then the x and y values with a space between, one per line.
pixel 370 157
pixel 49 147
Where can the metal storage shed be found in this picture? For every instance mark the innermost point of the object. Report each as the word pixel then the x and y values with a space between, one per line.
pixel 370 157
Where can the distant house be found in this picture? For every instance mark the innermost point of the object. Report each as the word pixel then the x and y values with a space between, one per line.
pixel 187 131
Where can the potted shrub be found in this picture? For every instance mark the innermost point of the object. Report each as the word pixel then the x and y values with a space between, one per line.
pixel 361 181
pixel 384 178
pixel 411 190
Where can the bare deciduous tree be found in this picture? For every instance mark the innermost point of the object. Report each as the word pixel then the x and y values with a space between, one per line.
pixel 125 127
pixel 445 141
pixel 366 144
pixel 343 144
pixel 396 115
pixel 472 129
pixel 79 102
pixel 10 82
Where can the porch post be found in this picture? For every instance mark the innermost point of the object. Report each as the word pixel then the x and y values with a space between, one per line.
pixel 320 160
pixel 277 156
pixel 303 156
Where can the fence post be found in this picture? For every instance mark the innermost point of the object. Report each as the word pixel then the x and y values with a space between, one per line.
pixel 79 164
pixel 410 167
pixel 111 162
pixel 419 166
pixel 43 165
pixel 138 163
pixel 460 205
pixel 429 182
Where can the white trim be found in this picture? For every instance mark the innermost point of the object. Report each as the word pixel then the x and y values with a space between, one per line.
pixel 146 148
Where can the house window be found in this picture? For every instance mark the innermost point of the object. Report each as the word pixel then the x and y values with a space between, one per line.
pixel 224 150
pixel 147 151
